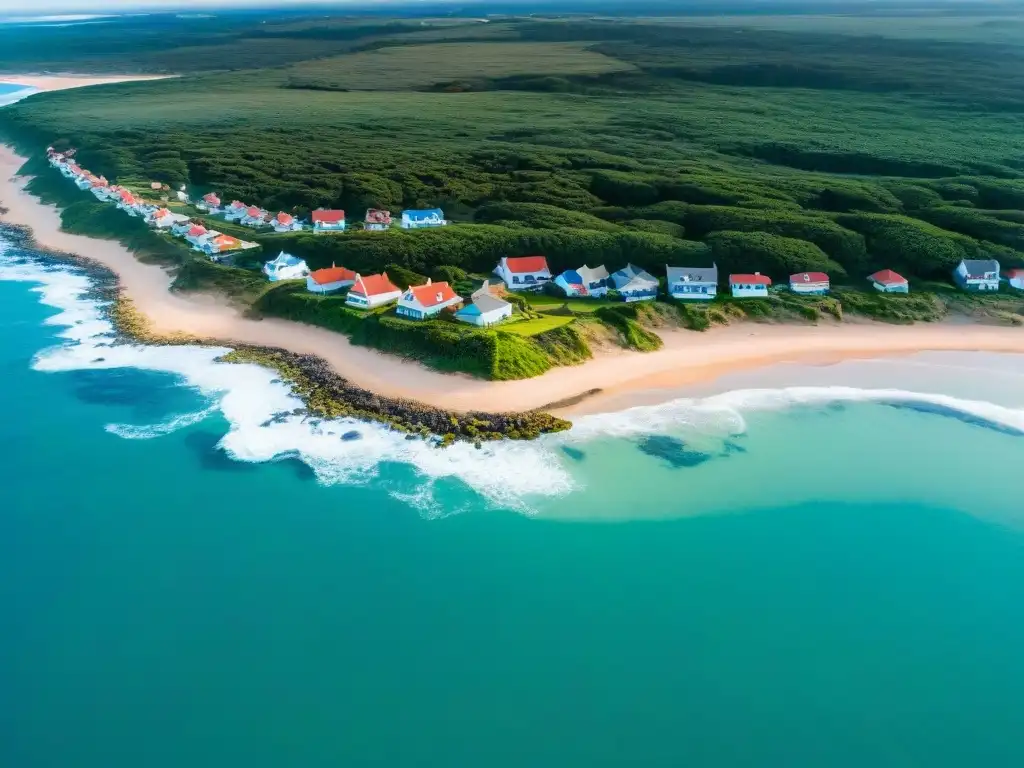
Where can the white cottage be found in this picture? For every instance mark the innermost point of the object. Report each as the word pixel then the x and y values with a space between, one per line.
pixel 331 279
pixel 372 291
pixel 523 273
pixel 809 283
pixel 420 302
pixel 285 267
pixel 753 286
pixel 692 283
pixel 485 308
pixel 887 281
pixel 285 222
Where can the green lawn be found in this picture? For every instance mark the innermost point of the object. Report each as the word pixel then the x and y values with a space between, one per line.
pixel 533 327
pixel 542 302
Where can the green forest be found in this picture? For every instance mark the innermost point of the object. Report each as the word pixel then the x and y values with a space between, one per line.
pixel 771 147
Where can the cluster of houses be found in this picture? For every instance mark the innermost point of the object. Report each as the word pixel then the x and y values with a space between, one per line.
pixel 320 220
pixel 524 273
pixel 417 302
pixel 208 241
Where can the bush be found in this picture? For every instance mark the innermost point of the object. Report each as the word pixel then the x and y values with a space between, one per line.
pixel 770 254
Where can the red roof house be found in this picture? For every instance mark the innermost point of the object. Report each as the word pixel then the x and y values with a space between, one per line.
pixel 372 291
pixel 745 286
pixel 888 281
pixel 330 279
pixel 422 301
pixel 809 283
pixel 523 272
pixel 212 200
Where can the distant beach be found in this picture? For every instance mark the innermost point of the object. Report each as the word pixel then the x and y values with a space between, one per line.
pixel 61 82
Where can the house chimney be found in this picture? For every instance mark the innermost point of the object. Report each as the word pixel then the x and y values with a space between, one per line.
pixel 428 281
pixel 440 297
pixel 758 274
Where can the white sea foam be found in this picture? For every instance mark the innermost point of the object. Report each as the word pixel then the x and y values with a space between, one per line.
pixel 263 425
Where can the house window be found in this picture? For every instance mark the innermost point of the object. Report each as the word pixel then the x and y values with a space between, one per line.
pixel 515 278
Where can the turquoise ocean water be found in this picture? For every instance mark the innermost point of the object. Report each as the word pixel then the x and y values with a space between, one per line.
pixel 772 573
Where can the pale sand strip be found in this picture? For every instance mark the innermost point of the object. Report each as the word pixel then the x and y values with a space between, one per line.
pixel 686 358
pixel 64 81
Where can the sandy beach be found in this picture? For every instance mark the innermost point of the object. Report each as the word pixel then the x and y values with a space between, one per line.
pixel 61 82
pixel 687 357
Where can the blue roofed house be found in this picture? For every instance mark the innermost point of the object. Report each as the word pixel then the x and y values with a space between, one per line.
pixel 285 267
pixel 434 217
pixel 977 275
pixel 634 284
pixel 692 283
pixel 585 281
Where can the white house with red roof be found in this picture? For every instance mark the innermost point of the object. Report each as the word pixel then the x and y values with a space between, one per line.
pixel 330 279
pixel 285 222
pixel 255 217
pixel 753 286
pixel 377 220
pixel 328 220
pixel 210 202
pixel 523 273
pixel 420 302
pixel 198 234
pixel 1015 277
pixel 888 281
pixel 181 228
pixel 214 244
pixel 128 202
pixel 372 291
pixel 164 218
pixel 809 283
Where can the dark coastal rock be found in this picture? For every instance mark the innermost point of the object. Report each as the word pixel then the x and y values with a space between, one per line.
pixel 99 360
pixel 952 413
pixel 673 451
pixel 351 435
pixel 574 453
pixel 328 395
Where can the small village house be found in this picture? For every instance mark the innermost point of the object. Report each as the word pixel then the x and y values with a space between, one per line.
pixel 328 220
pixel 523 273
pixel 216 244
pixel 584 282
pixel 331 279
pixel 197 235
pixel 692 283
pixel 128 202
pixel 484 308
pixel 635 284
pixel 285 267
pixel 163 218
pixel 977 275
pixel 420 302
pixel 753 286
pixel 372 291
pixel 809 283
pixel 377 220
pixel 1015 277
pixel 236 211
pixel 254 217
pixel 181 228
pixel 209 203
pixel 433 217
pixel 888 281
pixel 285 222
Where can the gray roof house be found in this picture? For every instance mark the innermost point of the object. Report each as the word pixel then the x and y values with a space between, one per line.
pixel 977 275
pixel 692 282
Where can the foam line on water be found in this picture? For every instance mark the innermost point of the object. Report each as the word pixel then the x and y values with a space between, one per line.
pixel 264 425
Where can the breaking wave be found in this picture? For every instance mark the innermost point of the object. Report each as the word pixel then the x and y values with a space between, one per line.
pixel 265 422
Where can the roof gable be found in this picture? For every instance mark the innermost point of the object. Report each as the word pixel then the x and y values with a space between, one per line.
pixel 431 294
pixel 328 216
pixel 332 274
pixel 525 264
pixel 887 277
pixel 374 285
